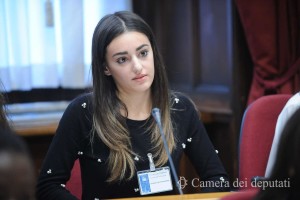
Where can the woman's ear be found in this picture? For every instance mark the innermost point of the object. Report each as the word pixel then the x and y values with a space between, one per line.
pixel 107 72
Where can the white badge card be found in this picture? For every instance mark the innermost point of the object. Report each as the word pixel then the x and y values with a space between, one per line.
pixel 157 181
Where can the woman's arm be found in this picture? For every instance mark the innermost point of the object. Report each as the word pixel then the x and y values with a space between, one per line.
pixel 61 155
pixel 201 152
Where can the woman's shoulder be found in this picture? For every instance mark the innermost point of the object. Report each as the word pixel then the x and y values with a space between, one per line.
pixel 82 101
pixel 183 111
pixel 181 101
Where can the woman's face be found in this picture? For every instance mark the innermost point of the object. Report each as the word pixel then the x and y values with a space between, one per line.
pixel 129 60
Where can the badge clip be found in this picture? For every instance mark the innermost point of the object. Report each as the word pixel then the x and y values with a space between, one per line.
pixel 151 163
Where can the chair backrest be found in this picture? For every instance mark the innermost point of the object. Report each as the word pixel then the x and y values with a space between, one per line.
pixel 74 184
pixel 241 195
pixel 256 136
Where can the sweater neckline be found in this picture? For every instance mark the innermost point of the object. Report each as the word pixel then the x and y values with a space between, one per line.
pixel 134 122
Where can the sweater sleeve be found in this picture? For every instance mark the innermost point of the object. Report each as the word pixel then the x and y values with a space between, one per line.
pixel 62 153
pixel 202 154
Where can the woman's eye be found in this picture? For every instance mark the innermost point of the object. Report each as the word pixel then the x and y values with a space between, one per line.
pixel 121 60
pixel 144 53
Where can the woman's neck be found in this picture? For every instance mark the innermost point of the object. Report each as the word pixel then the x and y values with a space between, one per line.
pixel 138 105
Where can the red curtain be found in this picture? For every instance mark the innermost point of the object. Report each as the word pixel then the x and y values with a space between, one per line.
pixel 272 29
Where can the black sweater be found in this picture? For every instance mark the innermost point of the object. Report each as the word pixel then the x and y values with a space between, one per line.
pixel 72 141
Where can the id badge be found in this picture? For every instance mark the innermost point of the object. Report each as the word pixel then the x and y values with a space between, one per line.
pixel 156 181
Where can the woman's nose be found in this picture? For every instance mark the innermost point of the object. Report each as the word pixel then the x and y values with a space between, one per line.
pixel 137 66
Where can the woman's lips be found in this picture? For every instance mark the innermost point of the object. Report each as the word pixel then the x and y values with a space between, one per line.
pixel 139 77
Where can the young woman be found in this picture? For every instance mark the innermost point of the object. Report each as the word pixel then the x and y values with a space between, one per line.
pixel 111 130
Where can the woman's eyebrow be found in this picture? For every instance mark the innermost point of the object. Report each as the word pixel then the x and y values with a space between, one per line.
pixel 120 53
pixel 140 47
pixel 125 52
